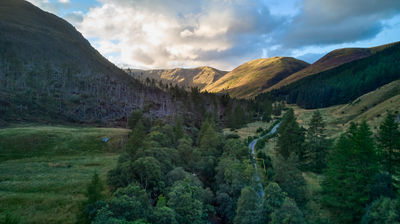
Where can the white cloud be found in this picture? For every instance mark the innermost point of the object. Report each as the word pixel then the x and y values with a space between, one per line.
pixel 63 1
pixel 164 34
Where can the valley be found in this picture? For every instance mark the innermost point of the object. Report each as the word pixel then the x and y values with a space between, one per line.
pixel 86 137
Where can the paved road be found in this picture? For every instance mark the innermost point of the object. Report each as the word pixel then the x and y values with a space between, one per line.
pixel 252 152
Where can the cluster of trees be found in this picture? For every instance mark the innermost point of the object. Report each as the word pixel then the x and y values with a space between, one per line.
pixel 360 180
pixel 345 83
pixel 361 175
pixel 180 174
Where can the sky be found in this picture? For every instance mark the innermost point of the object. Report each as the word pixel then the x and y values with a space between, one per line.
pixel 154 34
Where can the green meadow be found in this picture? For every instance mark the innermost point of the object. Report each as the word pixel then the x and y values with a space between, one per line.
pixel 44 170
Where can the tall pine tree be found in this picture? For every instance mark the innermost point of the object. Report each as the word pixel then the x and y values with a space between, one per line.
pixel 290 137
pixel 316 144
pixel 389 144
pixel 351 167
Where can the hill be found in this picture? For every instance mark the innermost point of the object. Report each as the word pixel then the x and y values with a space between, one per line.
pixel 371 107
pixel 195 77
pixel 331 60
pixel 345 83
pixel 251 78
pixel 49 71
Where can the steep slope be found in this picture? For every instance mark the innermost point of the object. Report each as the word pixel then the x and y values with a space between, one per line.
pixel 371 107
pixel 251 78
pixel 48 71
pixel 195 77
pixel 331 60
pixel 345 83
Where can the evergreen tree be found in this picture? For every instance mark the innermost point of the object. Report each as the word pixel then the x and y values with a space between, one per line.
pixel 316 144
pixel 94 190
pixel 288 213
pixel 290 136
pixel 389 144
pixel 136 140
pixel 290 178
pixel 134 118
pixel 351 166
pixel 267 111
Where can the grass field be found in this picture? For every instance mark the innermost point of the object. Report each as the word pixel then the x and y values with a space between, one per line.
pixel 44 170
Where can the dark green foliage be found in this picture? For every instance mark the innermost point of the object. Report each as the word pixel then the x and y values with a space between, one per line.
pixel 189 202
pixel 9 219
pixel 248 209
pixel 389 144
pixel 163 215
pixel 316 144
pixel 272 200
pixel 383 211
pixel 290 136
pixel 288 213
pixel 134 118
pixel 351 166
pixel 147 172
pixel 128 204
pixel 345 83
pixel 237 118
pixel 94 190
pixel 381 186
pixel 136 140
pixel 290 178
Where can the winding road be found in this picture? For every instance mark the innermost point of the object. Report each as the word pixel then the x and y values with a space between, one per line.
pixel 252 145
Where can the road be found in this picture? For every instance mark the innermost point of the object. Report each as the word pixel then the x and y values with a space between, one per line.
pixel 252 145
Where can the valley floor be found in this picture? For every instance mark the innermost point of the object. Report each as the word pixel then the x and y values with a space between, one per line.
pixel 44 170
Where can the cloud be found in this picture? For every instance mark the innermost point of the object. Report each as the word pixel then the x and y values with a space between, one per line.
pixel 323 22
pixel 160 34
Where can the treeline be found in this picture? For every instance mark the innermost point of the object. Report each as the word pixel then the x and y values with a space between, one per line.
pixel 345 83
pixel 232 113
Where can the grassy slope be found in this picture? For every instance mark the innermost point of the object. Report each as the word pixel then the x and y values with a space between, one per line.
pixel 253 77
pixel 200 77
pixel 44 170
pixel 331 60
pixel 371 107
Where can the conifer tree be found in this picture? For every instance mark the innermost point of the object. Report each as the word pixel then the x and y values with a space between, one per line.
pixel 351 166
pixel 316 144
pixel 389 144
pixel 290 136
pixel 136 140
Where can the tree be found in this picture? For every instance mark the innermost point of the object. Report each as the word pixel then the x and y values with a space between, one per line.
pixel 163 215
pixel 389 144
pixel 272 200
pixel 186 199
pixel 290 136
pixel 136 140
pixel 248 209
pixel 134 118
pixel 178 130
pixel 94 190
pixel 351 166
pixel 267 111
pixel 147 171
pixel 383 211
pixel 290 178
pixel 127 204
pixel 316 144
pixel 288 213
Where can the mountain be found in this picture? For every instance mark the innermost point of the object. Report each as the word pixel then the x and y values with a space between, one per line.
pixel 49 71
pixel 331 60
pixel 253 77
pixel 344 83
pixel 195 77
